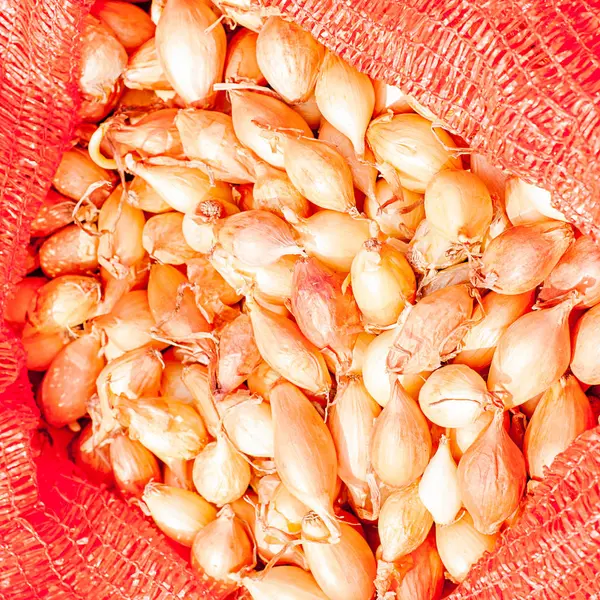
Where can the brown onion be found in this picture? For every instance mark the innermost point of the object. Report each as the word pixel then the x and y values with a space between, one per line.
pixel 56 212
pixel 585 362
pixel 70 251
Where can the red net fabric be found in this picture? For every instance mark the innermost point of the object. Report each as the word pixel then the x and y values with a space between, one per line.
pixel 520 81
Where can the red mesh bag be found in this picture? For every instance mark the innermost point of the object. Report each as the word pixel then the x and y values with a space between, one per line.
pixel 518 80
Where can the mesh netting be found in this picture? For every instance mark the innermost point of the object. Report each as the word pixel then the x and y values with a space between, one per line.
pixel 519 80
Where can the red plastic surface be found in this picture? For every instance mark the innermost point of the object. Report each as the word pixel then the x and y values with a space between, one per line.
pixel 519 80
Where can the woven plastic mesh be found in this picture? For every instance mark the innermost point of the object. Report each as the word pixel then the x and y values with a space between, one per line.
pixel 519 80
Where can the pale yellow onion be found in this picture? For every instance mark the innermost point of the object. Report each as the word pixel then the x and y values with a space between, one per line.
pixel 197 379
pixel 249 424
pixel 364 174
pixel 451 276
pixel 142 195
pixel 285 511
pixel 172 383
pixel 163 239
pixel 220 474
pixel 208 136
pixel 64 302
pixel 359 352
pixel 346 98
pixel 284 348
pixel 262 379
pixel 389 97
pixel 199 226
pixel 439 490
pixel 396 216
pixel 432 330
pixel 191 48
pixel 460 546
pixel 305 455
pixel 458 205
pixel 274 191
pixel 531 355
pixel 131 25
pixel 255 119
pixel 144 71
pixel 310 112
pixel 121 227
pixel 462 437
pixel 429 250
pixel 564 412
pixel 70 380
pixel 319 172
pixel 284 582
pixel 273 282
pixel 407 143
pixel 333 237
pixel 404 523
pixel 492 477
pixel 222 547
pixel 181 187
pixel 241 65
pixel 401 442
pixel 454 396
pixel 585 362
pixel 376 375
pixel 382 282
pixel 519 259
pixel 256 238
pixel 133 466
pixel 289 58
pixel 69 251
pixel 178 513
pixel 492 317
pixel 343 570
pixel 169 428
pixel 526 203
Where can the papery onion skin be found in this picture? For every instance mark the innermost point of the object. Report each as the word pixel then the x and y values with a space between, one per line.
pixel 519 259
pixel 585 362
pixel 401 442
pixel 454 275
pixel 492 477
pixel 531 355
pixel 191 49
pixel 94 463
pixel 172 384
pixel 527 203
pixel 433 329
pixel 495 314
pixel 563 413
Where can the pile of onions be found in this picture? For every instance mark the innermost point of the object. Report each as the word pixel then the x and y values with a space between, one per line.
pixel 287 321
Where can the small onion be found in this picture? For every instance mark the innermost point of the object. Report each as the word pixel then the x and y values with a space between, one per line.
pixel 526 203
pixel 178 513
pixel 197 380
pixel 131 25
pixel 41 348
pixel 291 583
pixel 199 226
pixel 163 239
pixel 262 380
pixel 133 466
pixel 56 212
pixel 429 250
pixel 585 362
pixel 19 299
pixel 275 192
pixel 70 251
pixel 140 194
pixel 179 474
pixel 172 383
pixel 241 65
pixel 461 438
pixel 144 71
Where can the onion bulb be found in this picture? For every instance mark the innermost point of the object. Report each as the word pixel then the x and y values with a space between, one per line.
pixel 179 474
pixel 133 466
pixel 220 474
pixel 382 282
pixel 70 251
pixel 163 239
pixel 55 212
pixel 531 355
pixel 585 362
pixel 199 227
pixel 346 98
pixel 172 384
pixel 519 259
pixel 526 203
pixel 196 378
pixel 70 380
pixel 273 191
pixel 284 348
pixel 404 523
pixel 401 442
pixel 439 489
pixel 144 71
pixel 578 269
pixel 462 437
pixel 460 546
pixel 41 348
pixel 333 237
pixel 305 455
pixel 140 194
pixel 492 317
pixel 191 47
pixel 131 25
pixel 256 118
pixel 18 300
pixel 432 331
pixel 343 570
pixel 429 250
pixel 564 412
pixel 459 206
pixel 178 513
pixel 289 58
pixel 319 172
pixel 451 276
pixel 222 547
pixel 407 143
pixel 241 65
pixel 397 216
pixel 492 477
pixel 284 582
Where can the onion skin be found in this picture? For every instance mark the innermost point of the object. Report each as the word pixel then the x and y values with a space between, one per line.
pixel 275 192
pixel 22 294
pixel 519 259
pixel 401 441
pixel 304 452
pixel 430 251
pixel 241 65
pixel 131 25
pixel 578 269
pixel 585 362
pixel 564 412
pixel 56 212
pixel 492 477
pixel 95 463
pixel 133 466
pixel 70 251
pixel 433 329
pixel 531 355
